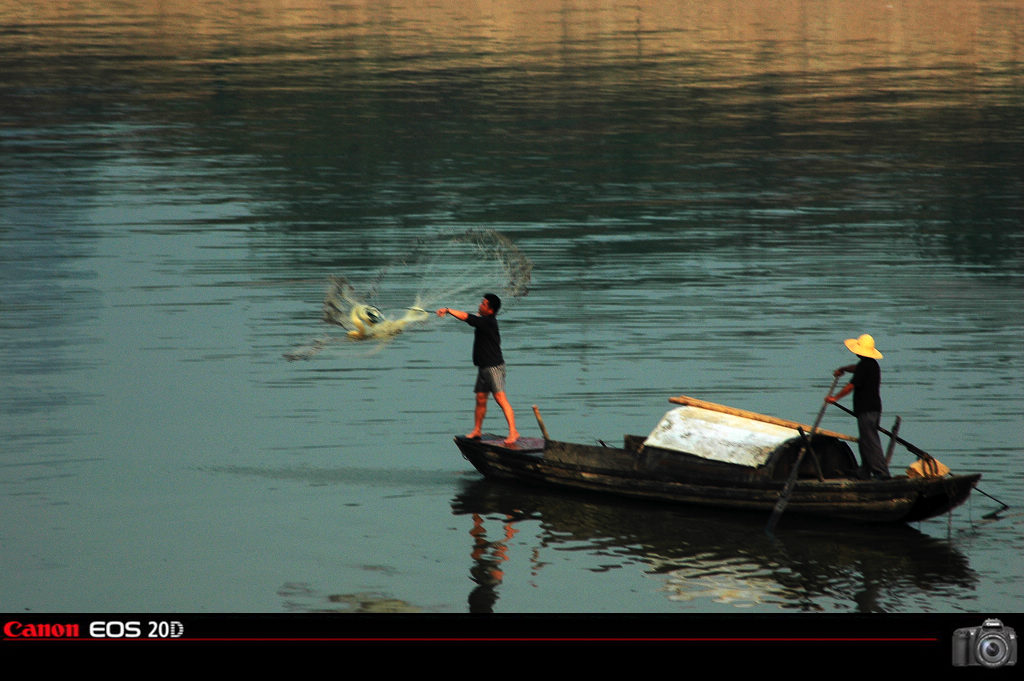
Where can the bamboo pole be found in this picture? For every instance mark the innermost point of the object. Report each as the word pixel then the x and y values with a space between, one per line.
pixel 711 406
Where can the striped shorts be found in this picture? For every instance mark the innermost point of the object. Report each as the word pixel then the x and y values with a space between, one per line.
pixel 490 379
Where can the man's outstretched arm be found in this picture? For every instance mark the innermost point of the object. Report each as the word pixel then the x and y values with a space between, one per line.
pixel 458 314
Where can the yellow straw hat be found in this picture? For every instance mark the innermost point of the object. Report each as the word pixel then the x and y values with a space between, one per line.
pixel 863 346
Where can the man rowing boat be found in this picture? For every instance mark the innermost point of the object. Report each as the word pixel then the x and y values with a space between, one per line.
pixel 867 403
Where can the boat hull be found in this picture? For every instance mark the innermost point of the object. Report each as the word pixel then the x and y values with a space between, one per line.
pixel 637 474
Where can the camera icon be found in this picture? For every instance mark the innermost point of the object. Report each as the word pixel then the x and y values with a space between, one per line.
pixel 990 645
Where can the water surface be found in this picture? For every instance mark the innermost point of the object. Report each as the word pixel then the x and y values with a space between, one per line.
pixel 713 197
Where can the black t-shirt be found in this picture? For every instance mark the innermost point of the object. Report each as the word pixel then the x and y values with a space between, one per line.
pixel 867 384
pixel 486 341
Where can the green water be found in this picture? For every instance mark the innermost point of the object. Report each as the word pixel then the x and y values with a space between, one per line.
pixel 712 196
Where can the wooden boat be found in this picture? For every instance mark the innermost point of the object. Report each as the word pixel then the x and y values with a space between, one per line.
pixel 712 455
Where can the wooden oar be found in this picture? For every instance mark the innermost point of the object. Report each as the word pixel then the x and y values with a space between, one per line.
pixel 913 449
pixel 780 505
pixel 920 453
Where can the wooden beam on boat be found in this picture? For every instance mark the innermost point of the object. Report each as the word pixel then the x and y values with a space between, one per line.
pixel 892 441
pixel 540 422
pixel 711 406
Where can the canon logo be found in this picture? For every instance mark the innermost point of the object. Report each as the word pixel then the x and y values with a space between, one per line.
pixel 14 629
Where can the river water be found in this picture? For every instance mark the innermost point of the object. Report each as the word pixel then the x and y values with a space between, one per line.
pixel 712 195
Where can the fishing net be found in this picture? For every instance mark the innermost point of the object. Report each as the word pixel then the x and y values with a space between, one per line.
pixel 447 269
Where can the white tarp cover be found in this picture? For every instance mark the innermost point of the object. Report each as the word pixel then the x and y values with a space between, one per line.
pixel 719 436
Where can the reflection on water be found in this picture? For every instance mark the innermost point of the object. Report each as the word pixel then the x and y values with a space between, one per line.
pixel 712 195
pixel 707 558
pixel 488 556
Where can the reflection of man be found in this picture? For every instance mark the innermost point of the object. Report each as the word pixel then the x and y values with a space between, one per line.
pixel 489 361
pixel 487 559
pixel 867 403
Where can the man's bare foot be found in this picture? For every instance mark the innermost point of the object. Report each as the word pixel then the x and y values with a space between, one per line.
pixel 512 438
pixel 475 435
